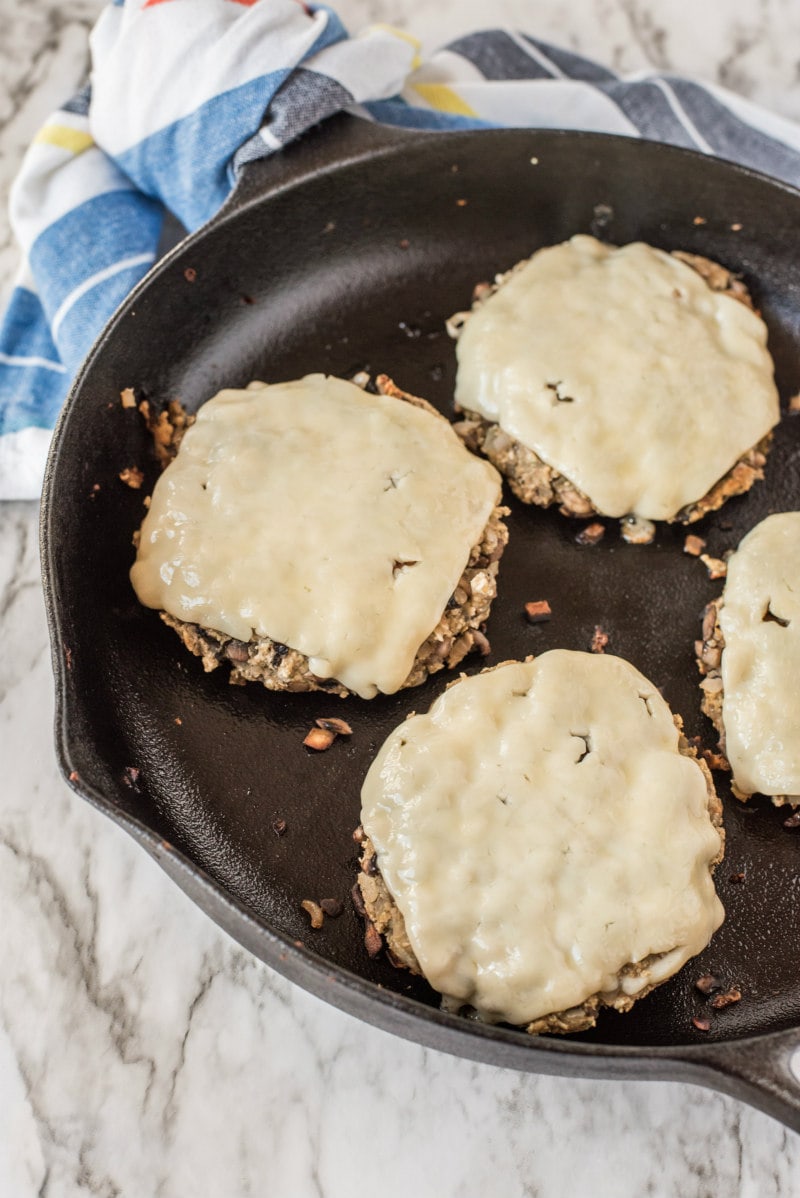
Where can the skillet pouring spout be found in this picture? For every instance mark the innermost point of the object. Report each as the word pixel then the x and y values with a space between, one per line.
pixel 348 252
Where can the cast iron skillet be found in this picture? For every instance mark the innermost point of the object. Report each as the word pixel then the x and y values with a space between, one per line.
pixel 346 253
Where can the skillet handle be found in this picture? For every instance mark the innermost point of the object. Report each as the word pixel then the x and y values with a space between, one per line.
pixel 764 1073
pixel 337 140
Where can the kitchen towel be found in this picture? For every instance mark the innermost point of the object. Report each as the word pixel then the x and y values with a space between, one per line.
pixel 184 92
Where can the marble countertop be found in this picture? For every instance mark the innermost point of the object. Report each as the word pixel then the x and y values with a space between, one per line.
pixel 142 1052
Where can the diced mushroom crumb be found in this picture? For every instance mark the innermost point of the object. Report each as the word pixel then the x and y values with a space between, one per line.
pixel 715 761
pixel 481 291
pixel 727 998
pixel 716 567
pixel 358 900
pixel 335 725
pixel 708 984
pixel 702 1025
pixel 599 640
pixel 127 398
pixel 372 939
pixel 319 739
pixel 636 530
pixel 455 323
pixel 370 865
pixel 694 545
pixel 315 913
pixel 132 476
pixel 481 643
pixel 592 534
pixel 538 611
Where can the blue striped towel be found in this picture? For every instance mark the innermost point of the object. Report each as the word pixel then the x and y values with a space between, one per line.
pixel 184 92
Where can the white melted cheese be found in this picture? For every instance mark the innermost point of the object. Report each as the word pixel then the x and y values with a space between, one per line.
pixel 323 517
pixel 528 869
pixel 761 659
pixel 623 370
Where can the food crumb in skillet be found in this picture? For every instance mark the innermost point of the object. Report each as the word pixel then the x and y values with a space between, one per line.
pixel 279 827
pixel 793 821
pixel 794 405
pixel 699 220
pixel 166 426
pixel 319 739
pixel 599 640
pixel 715 761
pixel 635 530
pixel 694 545
pixel 737 878
pixel 702 1024
pixel 314 912
pixel 334 724
pixel 373 941
pixel 132 476
pixel 708 984
pixel 358 900
pixel 592 534
pixel 728 997
pixel 538 611
pixel 190 274
pixel 331 907
pixel 127 397
pixel 716 567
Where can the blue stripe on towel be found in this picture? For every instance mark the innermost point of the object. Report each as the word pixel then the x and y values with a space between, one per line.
pixel 29 395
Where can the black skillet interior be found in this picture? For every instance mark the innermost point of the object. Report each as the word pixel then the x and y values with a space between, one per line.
pixel 356 267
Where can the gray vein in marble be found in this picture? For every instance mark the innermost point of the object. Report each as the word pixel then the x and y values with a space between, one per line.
pixel 650 36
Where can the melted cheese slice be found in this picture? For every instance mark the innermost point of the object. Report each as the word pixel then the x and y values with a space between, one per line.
pixel 311 512
pixel 760 621
pixel 538 830
pixel 623 370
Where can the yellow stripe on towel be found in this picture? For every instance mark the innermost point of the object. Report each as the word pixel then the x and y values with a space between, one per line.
pixel 443 98
pixel 74 140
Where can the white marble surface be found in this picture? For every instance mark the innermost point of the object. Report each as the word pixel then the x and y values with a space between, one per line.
pixel 144 1054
